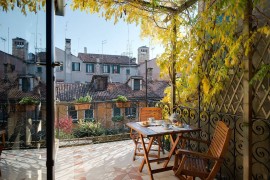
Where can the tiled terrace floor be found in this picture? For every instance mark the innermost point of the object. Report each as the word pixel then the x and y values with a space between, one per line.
pixel 106 161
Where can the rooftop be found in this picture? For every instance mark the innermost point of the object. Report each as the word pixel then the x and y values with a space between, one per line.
pixel 70 91
pixel 105 58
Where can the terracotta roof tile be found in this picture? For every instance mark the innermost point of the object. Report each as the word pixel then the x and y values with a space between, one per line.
pixel 105 58
pixel 70 91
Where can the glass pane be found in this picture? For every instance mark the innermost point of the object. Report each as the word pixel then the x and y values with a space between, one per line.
pixel 136 84
pixel 22 92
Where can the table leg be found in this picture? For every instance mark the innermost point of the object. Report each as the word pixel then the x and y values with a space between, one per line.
pixel 3 139
pixel 146 151
pixel 172 149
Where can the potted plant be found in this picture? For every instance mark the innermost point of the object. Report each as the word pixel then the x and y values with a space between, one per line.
pixel 122 101
pixel 83 102
pixel 117 121
pixel 117 118
pixel 27 103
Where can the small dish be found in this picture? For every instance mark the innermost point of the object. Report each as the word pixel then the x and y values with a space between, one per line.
pixel 158 122
pixel 179 125
pixel 166 126
pixel 145 123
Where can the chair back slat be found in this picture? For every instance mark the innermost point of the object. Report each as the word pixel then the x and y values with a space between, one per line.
pixel 196 166
pixel 146 112
pixel 220 140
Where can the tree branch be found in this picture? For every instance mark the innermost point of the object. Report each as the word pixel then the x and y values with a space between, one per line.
pixel 173 9
pixel 263 14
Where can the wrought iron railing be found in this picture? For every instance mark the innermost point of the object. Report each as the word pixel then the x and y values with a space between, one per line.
pixel 233 164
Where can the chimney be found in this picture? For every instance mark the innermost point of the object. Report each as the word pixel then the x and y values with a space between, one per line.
pixel 68 46
pixel 98 70
pixel 85 50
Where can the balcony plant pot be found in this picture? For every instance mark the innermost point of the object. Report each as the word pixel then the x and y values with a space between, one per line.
pixel 20 108
pixel 83 103
pixel 27 104
pixel 82 106
pixel 31 107
pixel 123 104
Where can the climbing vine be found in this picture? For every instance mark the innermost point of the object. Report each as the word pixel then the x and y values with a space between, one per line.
pixel 203 42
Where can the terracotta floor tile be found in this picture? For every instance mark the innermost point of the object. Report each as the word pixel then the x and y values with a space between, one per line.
pixel 106 161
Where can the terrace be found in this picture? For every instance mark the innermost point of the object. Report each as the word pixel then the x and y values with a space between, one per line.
pixel 219 71
pixel 105 161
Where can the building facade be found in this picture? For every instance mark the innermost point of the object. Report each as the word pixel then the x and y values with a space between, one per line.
pixel 81 69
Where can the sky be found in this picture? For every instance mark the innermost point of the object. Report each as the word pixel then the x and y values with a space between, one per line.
pixel 84 29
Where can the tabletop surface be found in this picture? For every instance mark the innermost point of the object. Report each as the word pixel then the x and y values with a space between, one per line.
pixel 147 132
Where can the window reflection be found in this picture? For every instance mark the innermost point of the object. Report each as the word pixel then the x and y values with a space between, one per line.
pixel 22 90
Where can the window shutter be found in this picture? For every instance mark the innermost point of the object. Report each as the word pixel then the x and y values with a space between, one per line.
pixel 116 111
pixel 31 84
pixel 118 68
pixel 62 66
pixel 109 68
pixel 93 68
pixel 73 66
pixel 20 84
pixel 136 84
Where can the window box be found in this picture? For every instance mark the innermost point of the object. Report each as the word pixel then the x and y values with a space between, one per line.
pixel 123 104
pixel 82 106
pixel 27 104
pixel 23 108
pixel 30 107
pixel 122 101
pixel 83 103
pixel 20 108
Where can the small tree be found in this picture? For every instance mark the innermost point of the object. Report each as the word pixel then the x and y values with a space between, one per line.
pixel 64 124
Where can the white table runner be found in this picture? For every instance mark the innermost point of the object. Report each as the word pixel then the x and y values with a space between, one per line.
pixel 160 129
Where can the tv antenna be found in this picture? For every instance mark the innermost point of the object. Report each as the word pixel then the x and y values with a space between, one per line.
pixel 102 43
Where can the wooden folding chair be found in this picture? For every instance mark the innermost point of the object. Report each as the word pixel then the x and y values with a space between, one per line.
pixel 190 164
pixel 144 114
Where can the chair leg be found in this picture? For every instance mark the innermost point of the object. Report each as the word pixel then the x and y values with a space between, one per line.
pixel 1 149
pixel 162 144
pixel 134 154
pixel 137 148
pixel 181 166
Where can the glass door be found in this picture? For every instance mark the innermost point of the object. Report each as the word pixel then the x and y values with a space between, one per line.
pixel 25 91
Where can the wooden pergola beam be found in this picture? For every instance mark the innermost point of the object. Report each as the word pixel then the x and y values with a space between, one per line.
pixel 247 101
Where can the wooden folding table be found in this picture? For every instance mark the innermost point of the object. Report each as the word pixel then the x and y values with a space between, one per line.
pixel 152 132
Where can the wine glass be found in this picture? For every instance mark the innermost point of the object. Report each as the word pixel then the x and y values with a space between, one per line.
pixel 173 118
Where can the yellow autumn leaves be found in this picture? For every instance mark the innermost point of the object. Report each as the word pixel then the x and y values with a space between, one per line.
pixel 24 5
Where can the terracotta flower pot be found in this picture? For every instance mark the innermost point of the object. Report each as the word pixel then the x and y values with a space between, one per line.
pixel 20 108
pixel 30 107
pixel 82 106
pixel 123 104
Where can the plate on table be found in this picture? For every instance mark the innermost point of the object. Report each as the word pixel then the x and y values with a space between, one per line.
pixel 158 122
pixel 144 124
pixel 179 125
